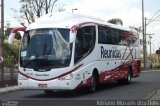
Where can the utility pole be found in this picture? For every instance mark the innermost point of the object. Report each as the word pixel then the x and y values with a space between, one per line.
pixel 144 25
pixel 1 36
pixel 150 44
pixel 150 37
pixel 144 41
pixel 2 26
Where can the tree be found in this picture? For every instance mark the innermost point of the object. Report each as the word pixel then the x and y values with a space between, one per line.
pixel 32 9
pixel 7 31
pixel 138 29
pixel 115 21
pixel 10 53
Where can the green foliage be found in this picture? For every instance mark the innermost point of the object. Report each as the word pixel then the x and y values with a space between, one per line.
pixel 7 31
pixel 158 67
pixel 17 36
pixel 10 54
pixel 154 57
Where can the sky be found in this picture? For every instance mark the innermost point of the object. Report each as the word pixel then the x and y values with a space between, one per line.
pixel 129 11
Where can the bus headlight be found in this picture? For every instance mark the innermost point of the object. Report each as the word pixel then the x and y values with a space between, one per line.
pixel 20 77
pixel 67 77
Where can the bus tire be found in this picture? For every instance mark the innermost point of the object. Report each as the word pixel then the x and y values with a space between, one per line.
pixel 48 91
pixel 94 82
pixel 128 80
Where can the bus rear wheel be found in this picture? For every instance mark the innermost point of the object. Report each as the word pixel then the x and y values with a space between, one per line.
pixel 129 77
pixel 128 80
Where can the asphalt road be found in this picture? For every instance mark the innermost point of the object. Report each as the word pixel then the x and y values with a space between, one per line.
pixel 137 90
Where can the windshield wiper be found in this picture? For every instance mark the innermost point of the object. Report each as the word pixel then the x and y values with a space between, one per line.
pixel 34 60
pixel 38 58
pixel 31 61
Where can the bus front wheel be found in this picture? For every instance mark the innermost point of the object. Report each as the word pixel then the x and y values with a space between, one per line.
pixel 94 82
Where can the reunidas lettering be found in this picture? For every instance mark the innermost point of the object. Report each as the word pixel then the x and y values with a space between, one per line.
pixel 110 53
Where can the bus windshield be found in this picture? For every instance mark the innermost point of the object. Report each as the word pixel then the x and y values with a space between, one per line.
pixel 45 49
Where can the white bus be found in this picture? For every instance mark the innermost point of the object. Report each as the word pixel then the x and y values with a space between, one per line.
pixel 67 51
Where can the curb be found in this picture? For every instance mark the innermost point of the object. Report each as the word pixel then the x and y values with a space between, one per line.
pixel 151 71
pixel 9 89
pixel 155 95
pixel 149 96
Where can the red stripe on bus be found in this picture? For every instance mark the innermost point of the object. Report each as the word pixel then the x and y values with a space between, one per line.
pixel 115 74
pixel 18 29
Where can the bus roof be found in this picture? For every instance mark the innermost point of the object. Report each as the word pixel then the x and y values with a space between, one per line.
pixel 67 20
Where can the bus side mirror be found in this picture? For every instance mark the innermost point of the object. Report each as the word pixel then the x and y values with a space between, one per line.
pixel 11 38
pixel 72 37
pixel 13 33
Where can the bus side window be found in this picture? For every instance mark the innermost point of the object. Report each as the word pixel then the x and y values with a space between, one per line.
pixel 104 35
pixel 114 36
pixel 119 37
pixel 124 42
pixel 127 38
pixel 85 41
pixel 109 35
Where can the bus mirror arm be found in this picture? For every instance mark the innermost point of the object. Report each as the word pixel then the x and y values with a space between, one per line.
pixel 72 37
pixel 13 33
pixel 11 38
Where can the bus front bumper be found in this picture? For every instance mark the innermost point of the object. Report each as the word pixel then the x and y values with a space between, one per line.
pixel 55 84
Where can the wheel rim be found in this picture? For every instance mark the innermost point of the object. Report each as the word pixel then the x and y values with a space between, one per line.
pixel 129 77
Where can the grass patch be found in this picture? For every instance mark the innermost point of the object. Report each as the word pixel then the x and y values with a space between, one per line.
pixel 153 68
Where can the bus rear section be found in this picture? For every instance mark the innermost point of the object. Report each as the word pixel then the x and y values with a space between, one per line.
pixel 119 52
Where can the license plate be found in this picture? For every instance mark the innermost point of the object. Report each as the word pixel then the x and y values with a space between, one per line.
pixel 42 85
